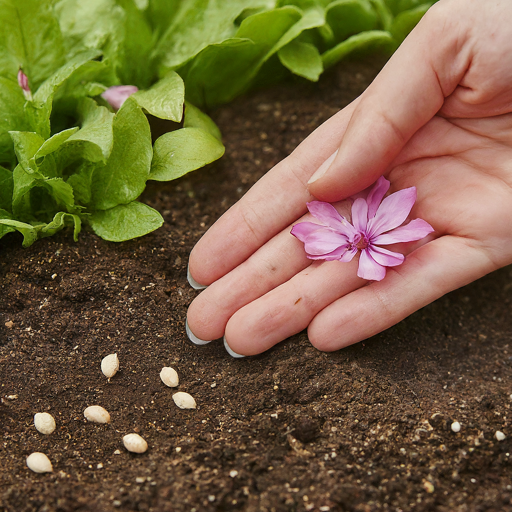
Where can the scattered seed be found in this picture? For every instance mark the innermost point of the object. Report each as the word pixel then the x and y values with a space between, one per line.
pixel 110 365
pixel 97 414
pixel 500 436
pixel 169 377
pixel 134 443
pixel 184 400
pixel 456 426
pixel 39 463
pixel 44 422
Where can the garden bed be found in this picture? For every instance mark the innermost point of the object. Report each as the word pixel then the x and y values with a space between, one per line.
pixel 363 429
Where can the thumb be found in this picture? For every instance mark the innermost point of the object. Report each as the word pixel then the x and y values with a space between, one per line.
pixel 406 94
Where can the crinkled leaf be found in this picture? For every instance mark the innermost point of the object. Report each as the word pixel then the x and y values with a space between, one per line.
pixel 4 214
pixel 53 143
pixel 6 187
pixel 124 176
pixel 125 221
pixel 11 116
pixel 179 152
pixel 165 99
pixel 81 182
pixel 364 41
pixel 60 221
pixel 29 232
pixel 303 59
pixel 195 118
pixel 38 111
pixel 384 14
pixel 30 37
pixel 26 145
pixel 406 21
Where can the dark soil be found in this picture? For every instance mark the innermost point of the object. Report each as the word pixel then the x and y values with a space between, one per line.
pixel 363 429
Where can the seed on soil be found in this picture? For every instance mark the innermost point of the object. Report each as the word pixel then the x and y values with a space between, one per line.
pixel 184 400
pixel 455 426
pixel 110 365
pixel 500 436
pixel 44 422
pixel 134 443
pixel 39 463
pixel 97 414
pixel 169 377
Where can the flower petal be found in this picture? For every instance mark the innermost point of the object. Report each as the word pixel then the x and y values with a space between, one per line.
pixel 360 214
pixel 302 230
pixel 375 195
pixel 324 241
pixel 349 255
pixel 415 230
pixel 392 211
pixel 369 269
pixel 386 258
pixel 338 254
pixel 118 94
pixel 327 214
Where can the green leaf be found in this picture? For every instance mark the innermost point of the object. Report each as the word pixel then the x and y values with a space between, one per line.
pixel 125 222
pixel 124 176
pixel 406 21
pixel 26 145
pixel 53 143
pixel 349 17
pixel 195 118
pixel 38 111
pixel 11 117
pixel 6 187
pixel 179 152
pixel 95 139
pixel 81 183
pixel 384 14
pixel 30 37
pixel 303 59
pixel 29 232
pixel 60 221
pixel 363 41
pixel 165 99
pixel 3 228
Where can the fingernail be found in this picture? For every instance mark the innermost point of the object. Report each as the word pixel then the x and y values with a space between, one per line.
pixel 230 351
pixel 323 168
pixel 193 282
pixel 194 339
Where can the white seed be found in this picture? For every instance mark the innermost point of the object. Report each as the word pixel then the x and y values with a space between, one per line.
pixel 39 463
pixel 500 436
pixel 169 377
pixel 184 400
pixel 110 365
pixel 44 422
pixel 456 426
pixel 134 443
pixel 97 414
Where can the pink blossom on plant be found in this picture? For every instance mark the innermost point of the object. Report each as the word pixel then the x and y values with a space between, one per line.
pixel 375 222
pixel 23 83
pixel 118 94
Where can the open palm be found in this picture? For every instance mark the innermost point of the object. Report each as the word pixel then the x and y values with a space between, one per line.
pixel 264 289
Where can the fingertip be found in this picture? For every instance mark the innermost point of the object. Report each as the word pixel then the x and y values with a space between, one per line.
pixel 230 351
pixel 192 337
pixel 192 282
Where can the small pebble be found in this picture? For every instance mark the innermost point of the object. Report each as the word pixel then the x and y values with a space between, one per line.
pixel 500 436
pixel 184 400
pixel 169 377
pixel 110 365
pixel 97 414
pixel 44 422
pixel 456 426
pixel 117 452
pixel 99 466
pixel 233 473
pixel 134 443
pixel 39 463
pixel 9 324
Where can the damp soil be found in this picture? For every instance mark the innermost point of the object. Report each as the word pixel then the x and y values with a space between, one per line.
pixel 366 428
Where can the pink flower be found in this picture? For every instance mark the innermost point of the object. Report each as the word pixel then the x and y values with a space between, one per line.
pixel 375 222
pixel 23 83
pixel 118 94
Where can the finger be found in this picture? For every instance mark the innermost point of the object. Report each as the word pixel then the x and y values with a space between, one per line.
pixel 289 308
pixel 428 273
pixel 270 266
pixel 276 201
pixel 406 94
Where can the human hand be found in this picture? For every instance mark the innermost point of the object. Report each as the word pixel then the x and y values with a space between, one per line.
pixel 437 117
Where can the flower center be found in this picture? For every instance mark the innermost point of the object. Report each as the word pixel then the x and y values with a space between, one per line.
pixel 361 243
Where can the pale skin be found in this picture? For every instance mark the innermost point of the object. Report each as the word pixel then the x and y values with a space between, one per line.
pixel 437 117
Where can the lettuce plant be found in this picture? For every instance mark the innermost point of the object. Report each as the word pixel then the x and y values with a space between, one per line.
pixel 73 152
